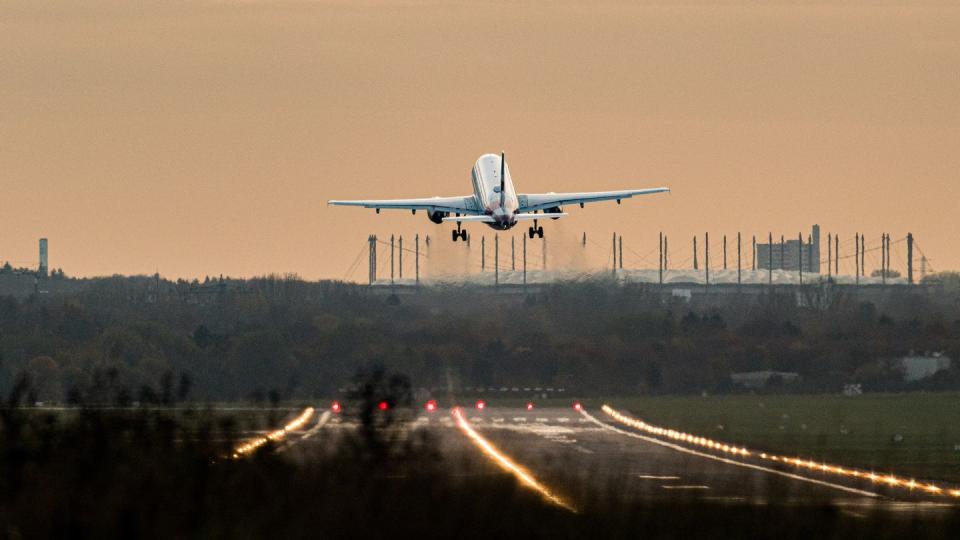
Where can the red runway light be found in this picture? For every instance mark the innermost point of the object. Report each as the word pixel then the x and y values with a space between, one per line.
pixel 481 404
pixel 577 406
pixel 335 407
pixel 529 406
pixel 383 406
pixel 431 405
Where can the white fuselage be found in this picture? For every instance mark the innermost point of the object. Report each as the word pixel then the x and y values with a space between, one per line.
pixel 486 188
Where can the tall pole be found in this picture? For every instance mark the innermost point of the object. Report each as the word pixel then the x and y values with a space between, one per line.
pixel 883 258
pixel 614 265
pixel 783 251
pixel 660 261
pixel 836 253
pixel 391 258
pixel 829 255
pixel 666 254
pixel 400 257
pixel 910 258
pixel 706 257
pixel 513 253
pixel 888 253
pixel 739 265
pixel 524 259
pixel 417 267
pixel 800 255
pixel 695 253
pixel 372 266
pixel 754 254
pixel 483 253
pixel 770 259
pixel 724 252
pixel 856 257
pixel 496 259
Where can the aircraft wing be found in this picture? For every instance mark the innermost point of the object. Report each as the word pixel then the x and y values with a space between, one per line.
pixel 466 205
pixel 540 201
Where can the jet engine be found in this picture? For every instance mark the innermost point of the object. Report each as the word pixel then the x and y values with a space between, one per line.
pixel 553 210
pixel 437 217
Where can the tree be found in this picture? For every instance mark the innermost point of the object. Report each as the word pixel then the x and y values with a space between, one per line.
pixel 44 376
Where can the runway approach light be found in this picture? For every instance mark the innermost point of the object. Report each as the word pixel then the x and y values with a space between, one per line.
pixel 431 405
pixel 481 404
pixel 529 406
pixel 335 407
pixel 577 406
pixel 383 405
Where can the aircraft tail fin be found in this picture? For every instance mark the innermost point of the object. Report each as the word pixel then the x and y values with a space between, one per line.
pixel 503 177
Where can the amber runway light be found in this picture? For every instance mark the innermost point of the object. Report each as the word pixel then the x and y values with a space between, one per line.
pixel 506 463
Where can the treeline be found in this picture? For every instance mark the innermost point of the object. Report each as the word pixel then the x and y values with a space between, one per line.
pixel 283 338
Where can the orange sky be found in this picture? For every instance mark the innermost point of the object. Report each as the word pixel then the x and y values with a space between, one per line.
pixel 204 137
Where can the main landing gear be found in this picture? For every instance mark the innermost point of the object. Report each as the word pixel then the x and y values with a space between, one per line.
pixel 459 233
pixel 535 230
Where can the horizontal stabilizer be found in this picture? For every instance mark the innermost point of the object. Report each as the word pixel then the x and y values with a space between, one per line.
pixel 481 219
pixel 528 217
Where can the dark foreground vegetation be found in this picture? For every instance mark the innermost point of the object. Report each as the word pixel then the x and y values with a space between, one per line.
pixel 278 339
pixel 163 473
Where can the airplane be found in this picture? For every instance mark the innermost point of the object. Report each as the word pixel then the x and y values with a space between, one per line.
pixel 495 202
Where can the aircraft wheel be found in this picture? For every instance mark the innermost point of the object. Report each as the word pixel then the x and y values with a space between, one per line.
pixel 540 231
pixel 531 232
pixel 463 235
pixel 455 235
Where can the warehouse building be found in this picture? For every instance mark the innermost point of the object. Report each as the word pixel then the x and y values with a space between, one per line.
pixel 791 254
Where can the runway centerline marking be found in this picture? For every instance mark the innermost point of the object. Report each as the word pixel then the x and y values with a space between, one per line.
pixel 728 461
pixel 506 463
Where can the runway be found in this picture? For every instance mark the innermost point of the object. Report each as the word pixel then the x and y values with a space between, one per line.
pixel 586 459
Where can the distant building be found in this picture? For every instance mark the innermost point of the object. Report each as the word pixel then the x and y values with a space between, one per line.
pixel 44 267
pixel 916 367
pixel 790 255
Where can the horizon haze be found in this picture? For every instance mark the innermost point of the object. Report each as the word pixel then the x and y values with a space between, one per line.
pixel 202 138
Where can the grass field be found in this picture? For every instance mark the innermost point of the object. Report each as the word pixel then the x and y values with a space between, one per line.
pixel 909 434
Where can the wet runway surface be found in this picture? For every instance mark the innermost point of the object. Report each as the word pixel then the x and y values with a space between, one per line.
pixel 588 459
